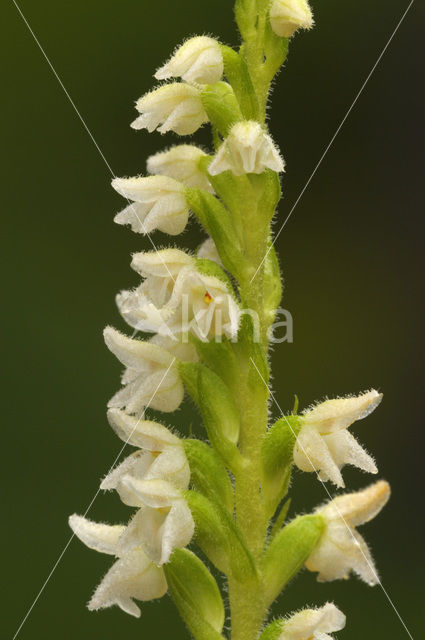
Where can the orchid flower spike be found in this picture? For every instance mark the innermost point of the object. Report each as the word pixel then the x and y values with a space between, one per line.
pixel 247 149
pixel 173 107
pixel 198 60
pixel 133 575
pixel 287 16
pixel 313 624
pixel 341 548
pixel 324 443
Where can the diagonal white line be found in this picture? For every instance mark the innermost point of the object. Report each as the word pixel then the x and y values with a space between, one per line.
pixel 88 508
pixel 371 567
pixel 333 137
pixel 88 130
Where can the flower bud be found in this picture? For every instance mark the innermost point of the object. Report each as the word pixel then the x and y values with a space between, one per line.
pixel 176 107
pixel 248 149
pixel 341 548
pixel 159 203
pixel 287 16
pixel 197 60
pixel 182 163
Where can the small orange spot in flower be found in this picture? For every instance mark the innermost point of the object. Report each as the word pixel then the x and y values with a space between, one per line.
pixel 208 299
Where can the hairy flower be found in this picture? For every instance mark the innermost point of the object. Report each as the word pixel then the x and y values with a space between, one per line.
pixel 287 16
pixel 324 443
pixel 134 575
pixel 341 548
pixel 181 162
pixel 176 107
pixel 313 624
pixel 247 149
pixel 163 522
pixel 159 203
pixel 198 60
pixel 162 456
pixel 150 378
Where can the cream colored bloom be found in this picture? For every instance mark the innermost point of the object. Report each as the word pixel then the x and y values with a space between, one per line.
pixel 325 445
pixel 163 523
pixel 287 16
pixel 134 575
pixel 247 149
pixel 175 299
pixel 151 377
pixel 182 163
pixel 161 457
pixel 176 107
pixel 143 307
pixel 314 624
pixel 197 60
pixel 341 548
pixel 158 203
pixel 208 251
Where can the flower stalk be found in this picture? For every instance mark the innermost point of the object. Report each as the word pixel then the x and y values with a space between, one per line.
pixel 207 316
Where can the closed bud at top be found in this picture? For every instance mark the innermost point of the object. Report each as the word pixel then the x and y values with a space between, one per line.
pixel 197 60
pixel 287 16
pixel 182 163
pixel 313 624
pixel 176 107
pixel 248 149
pixel 159 203
pixel 341 548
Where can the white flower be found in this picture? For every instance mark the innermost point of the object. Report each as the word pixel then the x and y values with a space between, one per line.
pixel 202 305
pixel 151 377
pixel 314 624
pixel 325 445
pixel 162 456
pixel 247 149
pixel 341 548
pixel 176 299
pixel 159 203
pixel 134 575
pixel 143 307
pixel 176 107
pixel 208 251
pixel 286 16
pixel 163 523
pixel 197 60
pixel 182 163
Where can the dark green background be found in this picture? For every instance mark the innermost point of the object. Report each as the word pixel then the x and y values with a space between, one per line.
pixel 352 256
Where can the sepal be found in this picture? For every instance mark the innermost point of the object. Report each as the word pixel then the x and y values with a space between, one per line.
pixel 196 595
pixel 288 552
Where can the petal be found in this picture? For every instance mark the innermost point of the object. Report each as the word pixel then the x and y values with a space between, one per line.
pixel 312 454
pixel 144 530
pixel 179 528
pixel 164 263
pixel 147 190
pixel 133 576
pixel 340 413
pixel 136 354
pixel 171 465
pixel 345 449
pixel 137 465
pixel 359 507
pixel 97 536
pixel 141 433
pixel 134 215
pixel 153 493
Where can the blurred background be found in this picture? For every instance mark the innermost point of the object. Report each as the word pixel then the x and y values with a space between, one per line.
pixel 352 255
